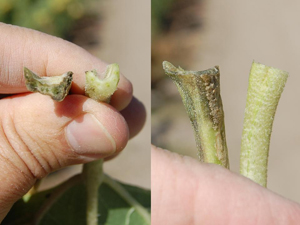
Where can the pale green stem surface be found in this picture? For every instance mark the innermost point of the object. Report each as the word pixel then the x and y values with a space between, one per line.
pixel 128 198
pixel 200 93
pixel 32 191
pixel 99 90
pixel 265 87
pixel 93 173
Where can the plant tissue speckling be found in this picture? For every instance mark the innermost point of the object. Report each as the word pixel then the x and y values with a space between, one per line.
pixel 102 90
pixel 200 92
pixel 56 86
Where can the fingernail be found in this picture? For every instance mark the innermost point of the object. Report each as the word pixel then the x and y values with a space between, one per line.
pixel 88 137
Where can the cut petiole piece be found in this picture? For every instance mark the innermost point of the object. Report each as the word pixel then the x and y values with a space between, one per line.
pixel 265 87
pixel 56 86
pixel 102 89
pixel 200 93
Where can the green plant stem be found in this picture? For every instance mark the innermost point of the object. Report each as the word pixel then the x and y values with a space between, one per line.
pixel 200 93
pixel 93 173
pixel 265 87
pixel 100 90
pixel 32 191
pixel 128 198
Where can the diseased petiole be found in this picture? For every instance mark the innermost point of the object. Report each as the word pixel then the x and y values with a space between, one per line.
pixel 56 86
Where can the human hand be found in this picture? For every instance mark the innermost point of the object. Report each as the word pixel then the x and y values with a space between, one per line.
pixel 38 135
pixel 185 191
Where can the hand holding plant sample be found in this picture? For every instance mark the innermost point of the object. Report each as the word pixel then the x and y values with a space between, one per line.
pixel 39 135
pixel 200 93
pixel 204 193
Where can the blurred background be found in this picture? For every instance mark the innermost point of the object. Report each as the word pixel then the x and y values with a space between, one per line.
pixel 114 31
pixel 199 34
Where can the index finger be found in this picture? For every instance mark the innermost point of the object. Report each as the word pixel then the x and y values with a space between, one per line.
pixel 49 56
pixel 186 191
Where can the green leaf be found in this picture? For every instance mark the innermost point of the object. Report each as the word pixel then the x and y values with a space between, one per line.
pixel 22 213
pixel 118 204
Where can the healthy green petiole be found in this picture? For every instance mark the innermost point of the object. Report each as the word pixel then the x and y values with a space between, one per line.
pixel 265 87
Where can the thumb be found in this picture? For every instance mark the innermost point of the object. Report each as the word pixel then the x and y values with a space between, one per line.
pixel 185 191
pixel 38 136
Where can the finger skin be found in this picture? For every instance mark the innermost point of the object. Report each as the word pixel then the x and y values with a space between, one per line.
pixel 185 191
pixel 34 142
pixel 135 116
pixel 33 127
pixel 49 56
